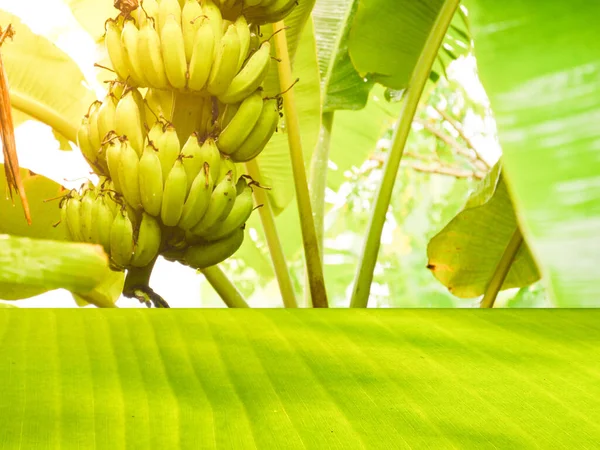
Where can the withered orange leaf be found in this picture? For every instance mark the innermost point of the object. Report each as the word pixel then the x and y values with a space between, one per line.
pixel 7 133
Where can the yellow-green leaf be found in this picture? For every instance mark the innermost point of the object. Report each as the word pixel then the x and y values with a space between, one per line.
pixel 45 83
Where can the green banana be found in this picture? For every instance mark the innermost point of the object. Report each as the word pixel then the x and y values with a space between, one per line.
pixel 211 155
pixel 270 12
pixel 192 158
pixel 174 195
pixel 219 206
pixel 128 121
pixel 113 155
pixel 121 239
pixel 226 166
pixel 128 174
pixel 150 7
pixel 150 55
pixel 106 117
pixel 155 133
pixel 115 52
pixel 224 67
pixel 240 127
pixel 173 52
pixel 205 255
pixel 168 150
pixel 87 216
pixel 85 145
pixel 150 181
pixel 260 134
pixel 148 241
pixel 103 224
pixel 73 213
pixel 109 198
pixel 191 18
pixel 215 18
pixel 240 213
pixel 168 8
pixel 129 42
pixel 243 30
pixel 198 199
pixel 95 229
pixel 94 132
pixel 202 57
pixel 250 77
pixel 63 218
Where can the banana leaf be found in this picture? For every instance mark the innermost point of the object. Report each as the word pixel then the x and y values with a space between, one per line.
pixel 113 379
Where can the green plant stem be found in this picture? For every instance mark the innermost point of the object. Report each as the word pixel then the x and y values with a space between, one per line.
pixel 224 287
pixel 307 222
pixel 44 114
pixel 420 75
pixel 497 280
pixel 267 218
pixel 318 182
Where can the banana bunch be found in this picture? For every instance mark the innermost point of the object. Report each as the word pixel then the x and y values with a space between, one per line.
pixel 97 215
pixel 247 127
pixel 188 48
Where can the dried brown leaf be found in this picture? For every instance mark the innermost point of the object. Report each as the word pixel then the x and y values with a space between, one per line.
pixel 7 134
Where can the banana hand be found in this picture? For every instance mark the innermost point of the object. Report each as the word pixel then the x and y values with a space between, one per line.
pixel 206 255
pixel 148 241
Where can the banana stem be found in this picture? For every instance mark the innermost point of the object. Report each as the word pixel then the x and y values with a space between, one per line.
pixel 267 218
pixel 420 75
pixel 224 287
pixel 307 222
pixel 44 114
pixel 318 181
pixel 137 285
pixel 502 270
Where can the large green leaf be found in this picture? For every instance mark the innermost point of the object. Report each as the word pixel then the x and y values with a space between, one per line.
pixel 295 380
pixel 464 255
pixel 29 267
pixel 44 214
pixel 351 145
pixel 539 62
pixel 45 83
pixel 274 161
pixel 387 37
pixel 343 87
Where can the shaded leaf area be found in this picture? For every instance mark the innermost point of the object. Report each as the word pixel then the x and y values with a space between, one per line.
pixel 465 254
pixel 30 267
pixel 302 379
pixel 544 88
pixel 387 37
pixel 274 161
pixel 355 134
pixel 32 64
pixel 343 87
pixel 43 214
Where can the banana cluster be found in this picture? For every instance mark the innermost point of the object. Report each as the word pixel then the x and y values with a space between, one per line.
pixel 240 130
pixel 189 48
pixel 187 108
pixel 134 238
pixel 98 215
